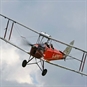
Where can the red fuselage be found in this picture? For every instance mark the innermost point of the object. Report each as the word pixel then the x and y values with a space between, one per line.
pixel 48 53
pixel 53 54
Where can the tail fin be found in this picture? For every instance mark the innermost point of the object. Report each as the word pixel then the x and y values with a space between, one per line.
pixel 68 49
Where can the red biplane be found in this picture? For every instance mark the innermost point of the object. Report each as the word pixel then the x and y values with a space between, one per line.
pixel 45 51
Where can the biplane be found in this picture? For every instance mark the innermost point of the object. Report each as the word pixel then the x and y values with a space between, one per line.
pixel 45 51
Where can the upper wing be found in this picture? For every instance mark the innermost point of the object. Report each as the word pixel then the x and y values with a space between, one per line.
pixel 45 35
pixel 68 45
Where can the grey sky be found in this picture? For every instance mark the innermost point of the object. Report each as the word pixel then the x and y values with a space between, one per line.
pixel 62 19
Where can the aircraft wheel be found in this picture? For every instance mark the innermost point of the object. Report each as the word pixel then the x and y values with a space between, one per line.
pixel 24 63
pixel 44 72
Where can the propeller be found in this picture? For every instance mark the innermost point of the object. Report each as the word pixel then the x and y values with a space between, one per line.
pixel 26 42
pixel 40 47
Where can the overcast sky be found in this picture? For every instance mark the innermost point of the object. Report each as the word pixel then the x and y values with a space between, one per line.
pixel 64 20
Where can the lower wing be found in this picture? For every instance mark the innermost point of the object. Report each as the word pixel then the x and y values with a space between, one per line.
pixel 14 45
pixel 66 68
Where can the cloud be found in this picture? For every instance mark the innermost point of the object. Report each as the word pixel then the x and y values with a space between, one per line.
pixel 11 66
pixel 23 77
pixel 9 56
pixel 4 83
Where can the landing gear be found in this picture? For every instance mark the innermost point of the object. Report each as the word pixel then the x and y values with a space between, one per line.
pixel 24 63
pixel 44 72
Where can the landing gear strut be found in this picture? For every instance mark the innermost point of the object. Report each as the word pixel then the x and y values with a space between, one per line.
pixel 25 62
pixel 44 71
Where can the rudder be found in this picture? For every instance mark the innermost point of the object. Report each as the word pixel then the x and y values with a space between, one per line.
pixel 68 49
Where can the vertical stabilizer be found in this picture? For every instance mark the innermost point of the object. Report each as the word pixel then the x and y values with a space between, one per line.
pixel 68 49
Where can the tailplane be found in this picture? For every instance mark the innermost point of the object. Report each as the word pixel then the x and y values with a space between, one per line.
pixel 68 49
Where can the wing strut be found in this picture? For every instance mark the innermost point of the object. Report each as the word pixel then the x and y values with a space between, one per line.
pixel 11 30
pixel 6 29
pixel 82 62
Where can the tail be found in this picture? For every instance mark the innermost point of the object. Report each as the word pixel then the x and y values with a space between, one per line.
pixel 68 49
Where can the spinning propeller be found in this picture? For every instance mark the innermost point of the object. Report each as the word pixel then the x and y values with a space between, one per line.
pixel 25 42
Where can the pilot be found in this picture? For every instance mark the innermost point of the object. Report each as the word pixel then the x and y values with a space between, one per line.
pixel 49 46
pixel 41 49
pixel 52 46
